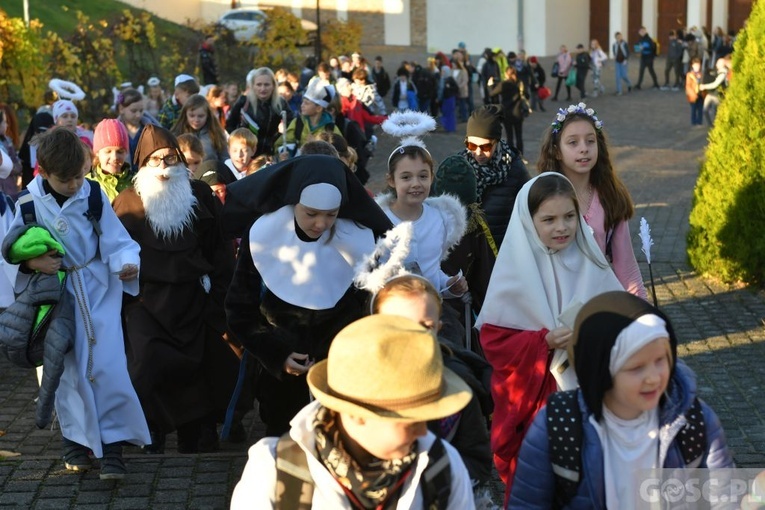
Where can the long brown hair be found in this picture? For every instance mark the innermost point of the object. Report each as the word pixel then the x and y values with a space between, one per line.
pixel 614 197
pixel 12 132
pixel 217 134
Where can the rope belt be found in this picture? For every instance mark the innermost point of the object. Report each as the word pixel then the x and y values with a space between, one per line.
pixel 79 296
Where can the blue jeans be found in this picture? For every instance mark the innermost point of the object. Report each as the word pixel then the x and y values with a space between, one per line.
pixel 697 112
pixel 621 75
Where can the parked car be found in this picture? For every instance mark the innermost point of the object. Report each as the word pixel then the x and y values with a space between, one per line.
pixel 246 23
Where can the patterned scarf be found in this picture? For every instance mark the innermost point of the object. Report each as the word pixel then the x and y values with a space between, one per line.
pixel 370 485
pixel 495 172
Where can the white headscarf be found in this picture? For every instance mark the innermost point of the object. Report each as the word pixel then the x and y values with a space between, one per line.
pixel 644 330
pixel 531 284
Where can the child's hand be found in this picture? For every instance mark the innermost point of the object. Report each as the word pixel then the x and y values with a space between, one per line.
pixel 48 263
pixel 129 272
pixel 297 364
pixel 457 285
pixel 559 338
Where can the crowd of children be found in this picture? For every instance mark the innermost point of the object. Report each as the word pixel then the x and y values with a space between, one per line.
pixel 241 233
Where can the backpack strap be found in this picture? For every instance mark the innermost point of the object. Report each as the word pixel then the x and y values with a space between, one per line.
pixel 27 206
pixel 564 435
pixel 294 483
pixel 6 204
pixel 692 437
pixel 609 245
pixel 95 207
pixel 436 482
pixel 93 214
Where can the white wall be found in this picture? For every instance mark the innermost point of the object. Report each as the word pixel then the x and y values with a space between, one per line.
pixel 478 23
pixel 493 23
pixel 697 14
pixel 177 11
pixel 720 14
pixel 398 26
pixel 535 29
pixel 618 21
pixel 650 16
pixel 568 22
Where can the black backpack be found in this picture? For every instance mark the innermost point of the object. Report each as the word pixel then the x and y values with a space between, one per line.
pixel 93 214
pixel 295 483
pixel 583 60
pixel 563 408
pixel 423 81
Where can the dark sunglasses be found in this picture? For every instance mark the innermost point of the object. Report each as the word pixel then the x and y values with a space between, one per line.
pixel 486 147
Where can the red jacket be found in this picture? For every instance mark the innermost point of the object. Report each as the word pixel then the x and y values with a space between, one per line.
pixel 355 111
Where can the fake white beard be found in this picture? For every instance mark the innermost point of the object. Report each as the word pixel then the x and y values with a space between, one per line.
pixel 169 204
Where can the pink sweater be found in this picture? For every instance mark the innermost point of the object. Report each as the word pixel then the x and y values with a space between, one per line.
pixel 624 264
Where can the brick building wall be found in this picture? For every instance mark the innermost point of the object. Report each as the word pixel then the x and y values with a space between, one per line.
pixel 369 13
pixel 419 14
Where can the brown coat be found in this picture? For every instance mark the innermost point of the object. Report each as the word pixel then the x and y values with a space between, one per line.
pixel 178 362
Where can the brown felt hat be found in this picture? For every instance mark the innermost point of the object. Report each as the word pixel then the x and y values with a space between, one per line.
pixel 389 367
pixel 152 139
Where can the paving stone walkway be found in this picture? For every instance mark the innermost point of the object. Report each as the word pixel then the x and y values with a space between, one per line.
pixel 656 153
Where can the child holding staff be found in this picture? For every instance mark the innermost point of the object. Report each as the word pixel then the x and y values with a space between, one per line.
pixel 548 265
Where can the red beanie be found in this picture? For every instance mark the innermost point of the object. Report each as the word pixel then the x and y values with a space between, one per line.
pixel 110 133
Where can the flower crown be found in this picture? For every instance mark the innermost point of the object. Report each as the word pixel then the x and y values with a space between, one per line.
pixel 581 109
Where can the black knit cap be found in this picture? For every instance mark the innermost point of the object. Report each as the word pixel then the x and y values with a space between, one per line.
pixel 485 122
pixel 597 326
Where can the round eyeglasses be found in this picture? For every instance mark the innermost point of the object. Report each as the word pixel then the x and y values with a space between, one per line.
pixel 170 160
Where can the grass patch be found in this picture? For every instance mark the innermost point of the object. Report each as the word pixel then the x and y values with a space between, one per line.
pixel 62 19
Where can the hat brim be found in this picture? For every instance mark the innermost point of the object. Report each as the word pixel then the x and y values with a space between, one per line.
pixel 455 397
